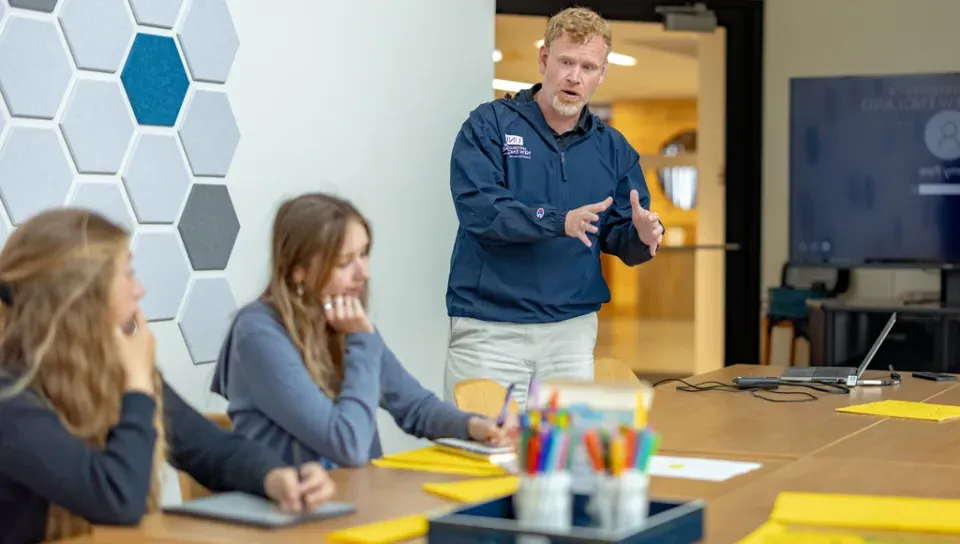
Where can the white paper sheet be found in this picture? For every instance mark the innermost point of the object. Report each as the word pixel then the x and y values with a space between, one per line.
pixel 692 468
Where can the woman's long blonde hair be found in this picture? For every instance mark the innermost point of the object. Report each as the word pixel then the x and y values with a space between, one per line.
pixel 308 233
pixel 56 334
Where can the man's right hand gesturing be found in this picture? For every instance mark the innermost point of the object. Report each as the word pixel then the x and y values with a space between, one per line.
pixel 580 221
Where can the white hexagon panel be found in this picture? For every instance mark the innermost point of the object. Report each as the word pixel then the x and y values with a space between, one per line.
pixel 34 67
pixel 207 313
pixel 209 40
pixel 156 178
pixel 34 172
pixel 162 267
pixel 158 13
pixel 209 133
pixel 97 126
pixel 105 199
pixel 98 32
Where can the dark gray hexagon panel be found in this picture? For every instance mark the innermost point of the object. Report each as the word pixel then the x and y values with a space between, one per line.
pixel 207 312
pixel 158 13
pixel 36 5
pixel 209 40
pixel 156 178
pixel 209 227
pixel 97 126
pixel 98 32
pixel 162 267
pixel 34 67
pixel 34 172
pixel 107 200
pixel 209 133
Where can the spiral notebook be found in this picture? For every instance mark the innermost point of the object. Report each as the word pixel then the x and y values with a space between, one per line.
pixel 246 509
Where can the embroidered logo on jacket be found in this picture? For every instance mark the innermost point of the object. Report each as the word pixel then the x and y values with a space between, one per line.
pixel 513 147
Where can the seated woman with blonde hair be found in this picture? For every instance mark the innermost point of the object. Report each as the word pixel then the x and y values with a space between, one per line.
pixel 304 367
pixel 81 403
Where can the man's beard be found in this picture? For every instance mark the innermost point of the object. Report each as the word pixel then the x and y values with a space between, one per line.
pixel 566 109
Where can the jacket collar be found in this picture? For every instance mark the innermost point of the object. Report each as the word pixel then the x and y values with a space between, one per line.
pixel 525 104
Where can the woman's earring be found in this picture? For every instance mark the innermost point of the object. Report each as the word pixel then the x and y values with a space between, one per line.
pixel 299 289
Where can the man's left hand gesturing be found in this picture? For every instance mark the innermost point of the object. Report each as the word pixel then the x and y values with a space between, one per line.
pixel 647 223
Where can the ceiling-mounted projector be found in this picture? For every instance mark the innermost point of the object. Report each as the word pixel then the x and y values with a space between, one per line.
pixel 695 18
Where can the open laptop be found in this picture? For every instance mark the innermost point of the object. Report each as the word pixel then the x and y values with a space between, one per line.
pixel 838 374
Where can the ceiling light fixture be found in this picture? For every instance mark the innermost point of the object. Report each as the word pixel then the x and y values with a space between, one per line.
pixel 510 86
pixel 497 55
pixel 613 58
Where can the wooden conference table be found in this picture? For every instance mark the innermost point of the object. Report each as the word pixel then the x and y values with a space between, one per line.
pixel 804 446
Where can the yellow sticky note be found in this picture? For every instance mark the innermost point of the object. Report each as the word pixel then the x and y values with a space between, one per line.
pixel 905 409
pixel 477 490
pixel 885 513
pixel 382 532
pixel 433 459
pixel 775 533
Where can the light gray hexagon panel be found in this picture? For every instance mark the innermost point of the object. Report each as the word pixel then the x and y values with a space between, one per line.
pixel 36 5
pixel 156 178
pixel 97 126
pixel 105 199
pixel 209 227
pixel 209 133
pixel 207 313
pixel 98 32
pixel 34 67
pixel 34 172
pixel 162 267
pixel 209 40
pixel 158 13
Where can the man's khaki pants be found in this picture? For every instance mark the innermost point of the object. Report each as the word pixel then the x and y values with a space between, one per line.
pixel 513 353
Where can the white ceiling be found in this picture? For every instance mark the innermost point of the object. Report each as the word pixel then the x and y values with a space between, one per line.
pixel 666 61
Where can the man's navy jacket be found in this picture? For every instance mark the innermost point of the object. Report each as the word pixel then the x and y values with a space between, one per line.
pixel 512 187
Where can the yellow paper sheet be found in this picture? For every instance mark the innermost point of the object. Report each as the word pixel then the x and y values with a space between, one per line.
pixel 382 532
pixel 908 514
pixel 477 490
pixel 432 459
pixel 904 409
pixel 775 533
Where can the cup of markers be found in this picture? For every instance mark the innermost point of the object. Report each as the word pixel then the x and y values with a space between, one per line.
pixel 543 499
pixel 620 459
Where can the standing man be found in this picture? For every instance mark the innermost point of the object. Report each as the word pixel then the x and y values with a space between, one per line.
pixel 541 186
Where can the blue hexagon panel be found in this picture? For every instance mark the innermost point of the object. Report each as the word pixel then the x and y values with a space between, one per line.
pixel 155 80
pixel 209 227
pixel 206 316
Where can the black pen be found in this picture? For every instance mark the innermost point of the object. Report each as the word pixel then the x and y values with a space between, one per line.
pixel 298 466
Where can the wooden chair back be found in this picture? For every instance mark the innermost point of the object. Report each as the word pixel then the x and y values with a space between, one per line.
pixel 482 396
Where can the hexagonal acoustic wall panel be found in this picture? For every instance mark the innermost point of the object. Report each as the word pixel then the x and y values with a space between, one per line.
pixel 163 269
pixel 155 80
pixel 156 178
pixel 34 172
pixel 209 40
pixel 107 200
pixel 158 13
pixel 97 126
pixel 34 67
pixel 36 5
pixel 98 32
pixel 209 227
pixel 209 133
pixel 206 317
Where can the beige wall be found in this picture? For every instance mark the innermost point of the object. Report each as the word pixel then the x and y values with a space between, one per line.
pixel 842 37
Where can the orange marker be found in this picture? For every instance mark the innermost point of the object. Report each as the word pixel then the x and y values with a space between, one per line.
pixel 594 450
